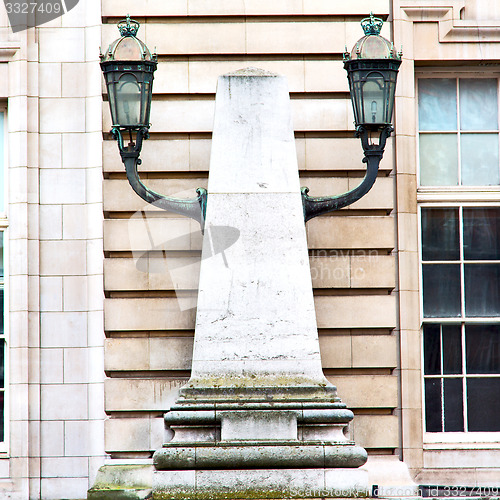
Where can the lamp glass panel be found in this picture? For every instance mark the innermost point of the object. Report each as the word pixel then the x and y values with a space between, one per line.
pixel 374 100
pixel 128 49
pixel 478 104
pixel 356 99
pixel 146 98
pixel 480 159
pixel 128 101
pixel 110 85
pixel 438 160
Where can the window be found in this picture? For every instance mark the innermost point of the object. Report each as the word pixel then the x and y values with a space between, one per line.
pixel 458 140
pixel 460 252
pixel 461 281
pixel 3 227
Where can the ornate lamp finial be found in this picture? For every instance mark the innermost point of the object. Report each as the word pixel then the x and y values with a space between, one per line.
pixel 128 27
pixel 372 25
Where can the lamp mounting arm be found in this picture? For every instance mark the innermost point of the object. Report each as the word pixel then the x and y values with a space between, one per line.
pixel 195 208
pixel 373 154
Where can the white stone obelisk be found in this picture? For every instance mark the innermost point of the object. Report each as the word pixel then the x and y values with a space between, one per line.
pixel 257 418
pixel 256 324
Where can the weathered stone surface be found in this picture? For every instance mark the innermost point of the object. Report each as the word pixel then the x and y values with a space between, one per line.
pixel 260 483
pixel 257 326
pixel 258 455
pixel 122 482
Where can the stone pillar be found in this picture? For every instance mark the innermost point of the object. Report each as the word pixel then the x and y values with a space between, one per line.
pixel 257 419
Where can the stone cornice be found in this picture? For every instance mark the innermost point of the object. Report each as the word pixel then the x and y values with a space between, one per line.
pixel 8 50
pixel 450 27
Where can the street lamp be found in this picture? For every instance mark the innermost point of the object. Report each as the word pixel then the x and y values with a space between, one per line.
pixel 128 68
pixel 372 69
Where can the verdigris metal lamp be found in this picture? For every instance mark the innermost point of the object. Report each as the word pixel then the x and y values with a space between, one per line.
pixel 372 69
pixel 128 68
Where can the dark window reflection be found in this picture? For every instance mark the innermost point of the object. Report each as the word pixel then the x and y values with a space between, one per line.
pixel 1 312
pixel 441 284
pixel 432 350
pixel 482 394
pixel 440 235
pixel 452 349
pixel 2 363
pixel 453 405
pixel 2 414
pixel 481 233
pixel 482 290
pixel 482 347
pixel 433 417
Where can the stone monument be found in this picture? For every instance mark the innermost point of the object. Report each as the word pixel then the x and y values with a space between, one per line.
pixel 257 419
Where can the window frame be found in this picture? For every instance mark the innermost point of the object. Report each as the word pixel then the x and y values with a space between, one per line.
pixel 469 192
pixel 451 197
pixel 466 438
pixel 4 228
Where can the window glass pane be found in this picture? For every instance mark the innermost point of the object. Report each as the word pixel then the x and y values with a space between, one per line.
pixel 478 104
pixel 438 160
pixel 482 347
pixel 441 290
pixel 483 404
pixel 437 104
pixel 2 415
pixel 2 155
pixel 453 405
pixel 481 233
pixel 1 257
pixel 482 290
pixel 1 311
pixel 452 350
pixel 479 159
pixel 432 350
pixel 433 420
pixel 440 235
pixel 2 363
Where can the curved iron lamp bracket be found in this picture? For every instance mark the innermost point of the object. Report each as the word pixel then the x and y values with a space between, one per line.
pixel 373 154
pixel 194 207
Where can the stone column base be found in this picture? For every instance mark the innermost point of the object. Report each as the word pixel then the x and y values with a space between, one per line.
pixel 259 484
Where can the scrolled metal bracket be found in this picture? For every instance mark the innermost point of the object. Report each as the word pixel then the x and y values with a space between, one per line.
pixel 373 154
pixel 195 208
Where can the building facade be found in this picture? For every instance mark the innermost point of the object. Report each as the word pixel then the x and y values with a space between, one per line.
pixel 100 288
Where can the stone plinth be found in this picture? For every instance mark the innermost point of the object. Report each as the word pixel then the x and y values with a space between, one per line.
pixel 257 419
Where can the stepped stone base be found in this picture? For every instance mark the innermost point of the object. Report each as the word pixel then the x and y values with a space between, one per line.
pixel 260 484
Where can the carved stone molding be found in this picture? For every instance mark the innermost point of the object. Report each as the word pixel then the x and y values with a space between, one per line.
pixel 450 27
pixel 8 50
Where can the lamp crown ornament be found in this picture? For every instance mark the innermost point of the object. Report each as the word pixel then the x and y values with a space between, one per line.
pixel 128 27
pixel 372 25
